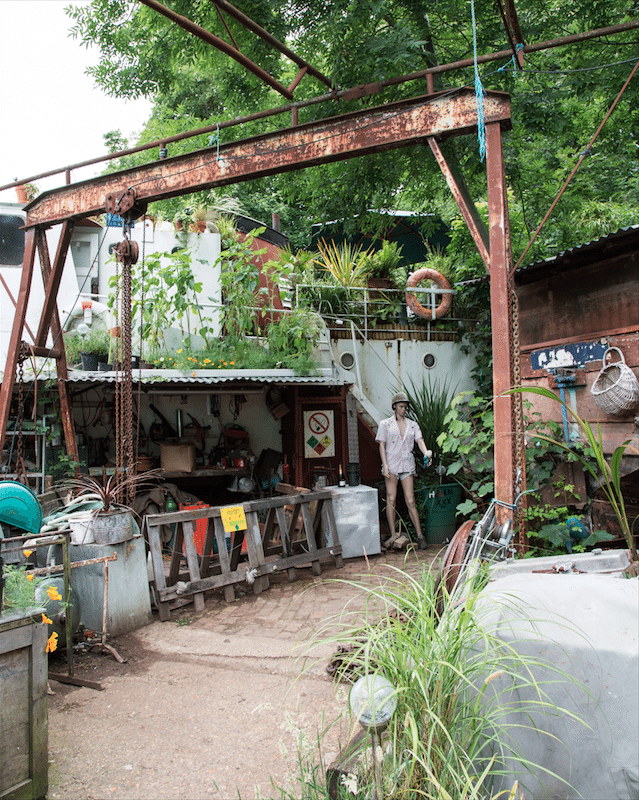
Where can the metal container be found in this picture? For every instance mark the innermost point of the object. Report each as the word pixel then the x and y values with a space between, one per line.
pixel 110 527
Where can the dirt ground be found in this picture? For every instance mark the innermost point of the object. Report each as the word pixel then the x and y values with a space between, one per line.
pixel 215 705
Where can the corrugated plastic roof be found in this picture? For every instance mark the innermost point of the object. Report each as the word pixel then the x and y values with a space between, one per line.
pixel 209 377
pixel 582 248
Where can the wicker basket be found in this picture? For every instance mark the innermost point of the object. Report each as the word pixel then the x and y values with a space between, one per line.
pixel 616 389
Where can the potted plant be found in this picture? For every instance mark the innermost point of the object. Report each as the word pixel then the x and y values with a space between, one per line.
pixel 382 264
pixel 429 404
pixel 199 219
pixel 113 521
pixel 94 348
pixel 72 346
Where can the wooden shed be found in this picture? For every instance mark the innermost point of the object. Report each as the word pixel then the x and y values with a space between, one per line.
pixel 572 309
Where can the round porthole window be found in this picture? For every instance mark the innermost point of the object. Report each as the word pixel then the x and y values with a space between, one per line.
pixel 347 360
pixel 429 360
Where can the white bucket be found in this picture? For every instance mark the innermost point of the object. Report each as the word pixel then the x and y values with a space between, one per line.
pixel 82 530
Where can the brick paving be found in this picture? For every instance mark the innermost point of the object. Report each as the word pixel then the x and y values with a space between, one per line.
pixel 218 704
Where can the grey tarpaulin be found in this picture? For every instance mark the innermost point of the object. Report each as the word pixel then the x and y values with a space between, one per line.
pixel 587 626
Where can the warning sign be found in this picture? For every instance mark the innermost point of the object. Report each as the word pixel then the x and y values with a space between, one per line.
pixel 233 518
pixel 319 434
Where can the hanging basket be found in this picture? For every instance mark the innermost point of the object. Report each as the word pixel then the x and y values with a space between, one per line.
pixel 616 389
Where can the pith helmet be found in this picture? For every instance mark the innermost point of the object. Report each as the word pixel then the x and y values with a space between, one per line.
pixel 400 397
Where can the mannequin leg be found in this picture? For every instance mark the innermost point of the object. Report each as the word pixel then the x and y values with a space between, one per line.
pixel 391 501
pixel 409 496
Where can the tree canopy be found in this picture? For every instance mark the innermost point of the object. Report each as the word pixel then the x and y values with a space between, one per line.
pixel 559 99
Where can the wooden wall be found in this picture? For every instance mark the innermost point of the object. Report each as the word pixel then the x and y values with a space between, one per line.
pixel 591 300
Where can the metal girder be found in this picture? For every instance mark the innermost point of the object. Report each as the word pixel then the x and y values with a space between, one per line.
pixel 464 201
pixel 51 279
pixel 16 332
pixel 335 139
pixel 220 44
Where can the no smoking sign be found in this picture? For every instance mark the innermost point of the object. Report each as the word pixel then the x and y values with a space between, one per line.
pixel 319 434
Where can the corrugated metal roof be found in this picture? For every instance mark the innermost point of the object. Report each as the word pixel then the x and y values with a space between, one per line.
pixel 165 378
pixel 595 244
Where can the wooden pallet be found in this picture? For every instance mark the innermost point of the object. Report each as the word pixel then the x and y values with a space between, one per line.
pixel 226 568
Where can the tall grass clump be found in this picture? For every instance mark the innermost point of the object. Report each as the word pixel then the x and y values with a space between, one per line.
pixel 456 683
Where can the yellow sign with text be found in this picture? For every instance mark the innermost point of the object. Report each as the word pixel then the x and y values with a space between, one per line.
pixel 233 518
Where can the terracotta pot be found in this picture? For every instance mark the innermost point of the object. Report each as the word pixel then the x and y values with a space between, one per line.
pixel 21 193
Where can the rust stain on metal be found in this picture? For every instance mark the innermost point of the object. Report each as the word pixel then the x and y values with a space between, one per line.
pixel 374 130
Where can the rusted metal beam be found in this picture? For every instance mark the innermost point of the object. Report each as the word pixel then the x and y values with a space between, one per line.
pixel 501 285
pixel 464 201
pixel 8 378
pixel 50 319
pixel 51 279
pixel 282 48
pixel 220 44
pixel 383 128
pixel 359 91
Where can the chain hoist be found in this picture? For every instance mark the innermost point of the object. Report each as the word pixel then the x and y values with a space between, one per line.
pixel 126 253
pixel 519 479
pixel 21 469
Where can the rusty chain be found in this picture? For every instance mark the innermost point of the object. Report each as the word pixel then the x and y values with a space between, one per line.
pixel 519 478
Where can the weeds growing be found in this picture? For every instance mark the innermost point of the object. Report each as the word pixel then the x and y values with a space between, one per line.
pixel 455 679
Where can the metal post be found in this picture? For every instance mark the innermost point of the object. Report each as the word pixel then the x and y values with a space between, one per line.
pixel 500 289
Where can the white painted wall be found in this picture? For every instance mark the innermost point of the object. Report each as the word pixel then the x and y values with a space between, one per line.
pixel 387 366
pixel 93 244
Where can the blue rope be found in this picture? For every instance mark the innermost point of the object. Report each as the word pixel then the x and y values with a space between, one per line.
pixel 479 92
pixel 512 61
pixel 214 139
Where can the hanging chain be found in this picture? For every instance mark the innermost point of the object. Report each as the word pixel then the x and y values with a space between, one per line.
pixel 519 479
pixel 21 469
pixel 127 254
pixel 139 397
pixel 127 370
pixel 117 362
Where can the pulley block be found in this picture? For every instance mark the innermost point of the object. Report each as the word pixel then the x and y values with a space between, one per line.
pixel 125 204
pixel 127 252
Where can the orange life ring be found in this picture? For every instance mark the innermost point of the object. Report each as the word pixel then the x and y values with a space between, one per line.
pixel 413 303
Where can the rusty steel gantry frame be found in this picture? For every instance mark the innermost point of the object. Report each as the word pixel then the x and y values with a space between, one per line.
pixel 420 120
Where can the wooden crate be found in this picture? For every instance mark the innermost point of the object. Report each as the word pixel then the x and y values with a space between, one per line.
pixel 23 707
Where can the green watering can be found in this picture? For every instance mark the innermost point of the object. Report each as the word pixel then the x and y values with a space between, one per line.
pixel 19 507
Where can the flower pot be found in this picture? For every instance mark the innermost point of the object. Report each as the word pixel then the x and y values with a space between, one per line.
pixel 82 529
pixel 104 367
pixel 110 527
pixel 440 506
pixel 89 361
pixel 21 193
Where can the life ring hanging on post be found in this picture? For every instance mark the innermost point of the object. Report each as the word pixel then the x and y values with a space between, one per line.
pixel 413 303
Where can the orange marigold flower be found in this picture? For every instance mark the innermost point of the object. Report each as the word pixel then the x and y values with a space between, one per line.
pixel 27 553
pixel 47 620
pixel 53 593
pixel 52 643
pixel 232 362
pixel 29 577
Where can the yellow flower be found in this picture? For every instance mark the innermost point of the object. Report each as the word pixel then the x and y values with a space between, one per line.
pixel 207 361
pixel 232 362
pixel 180 350
pixel 194 375
pixel 29 577
pixel 53 593
pixel 27 553
pixel 225 364
pixel 47 620
pixel 52 643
